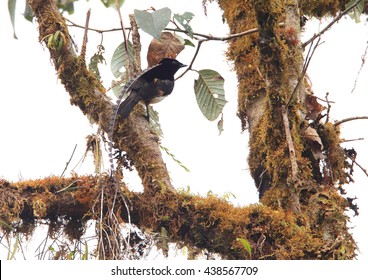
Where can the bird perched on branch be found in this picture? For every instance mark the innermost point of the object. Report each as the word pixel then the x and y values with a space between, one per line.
pixel 150 87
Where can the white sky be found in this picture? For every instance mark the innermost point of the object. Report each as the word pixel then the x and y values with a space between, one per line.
pixel 40 128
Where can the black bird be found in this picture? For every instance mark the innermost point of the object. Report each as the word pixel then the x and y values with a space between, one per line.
pixel 151 86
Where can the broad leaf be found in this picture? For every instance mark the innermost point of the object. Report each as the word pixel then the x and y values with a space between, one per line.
pixel 184 20
pixel 119 59
pixel 168 46
pixel 117 86
pixel 11 8
pixel 153 23
pixel 209 91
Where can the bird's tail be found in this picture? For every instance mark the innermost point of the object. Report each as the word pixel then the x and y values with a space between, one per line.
pixel 128 104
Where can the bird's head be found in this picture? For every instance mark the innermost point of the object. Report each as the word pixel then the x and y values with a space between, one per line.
pixel 171 64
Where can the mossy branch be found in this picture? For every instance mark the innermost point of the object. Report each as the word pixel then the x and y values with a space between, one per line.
pixel 88 94
pixel 209 223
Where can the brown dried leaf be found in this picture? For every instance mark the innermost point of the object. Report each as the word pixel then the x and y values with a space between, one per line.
pixel 314 109
pixel 168 46
pixel 315 141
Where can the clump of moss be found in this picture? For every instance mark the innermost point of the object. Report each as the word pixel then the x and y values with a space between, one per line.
pixel 322 8
pixel 334 170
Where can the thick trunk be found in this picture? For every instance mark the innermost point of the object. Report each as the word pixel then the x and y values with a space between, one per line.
pixel 288 143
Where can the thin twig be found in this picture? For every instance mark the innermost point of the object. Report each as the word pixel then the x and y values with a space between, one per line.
pixel 325 100
pixel 361 167
pixel 304 70
pixel 73 24
pixel 125 37
pixel 328 108
pixel 361 67
pixel 205 36
pixel 350 119
pixel 351 140
pixel 85 37
pixel 193 59
pixel 68 162
pixel 336 19
pixel 68 186
pixel 289 140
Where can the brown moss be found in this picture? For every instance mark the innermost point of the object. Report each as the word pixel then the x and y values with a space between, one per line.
pixel 211 223
pixel 319 9
pixel 334 170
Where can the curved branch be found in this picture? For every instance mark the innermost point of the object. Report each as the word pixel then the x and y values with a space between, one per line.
pixel 350 119
pixel 193 59
pixel 86 92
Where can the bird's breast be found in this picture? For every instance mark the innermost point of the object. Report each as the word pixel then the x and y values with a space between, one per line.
pixel 157 99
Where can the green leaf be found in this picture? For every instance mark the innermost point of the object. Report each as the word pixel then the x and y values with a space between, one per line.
pixel 188 43
pixel 154 122
pixel 357 10
pixel 111 3
pixel 95 60
pixel 174 158
pixel 117 86
pixel 15 249
pixel 85 254
pixel 220 124
pixel 209 91
pixel 66 6
pixel 28 14
pixel 153 23
pixel 11 8
pixel 184 20
pixel 246 245
pixel 119 59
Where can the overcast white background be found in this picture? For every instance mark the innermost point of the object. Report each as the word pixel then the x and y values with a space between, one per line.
pixel 39 127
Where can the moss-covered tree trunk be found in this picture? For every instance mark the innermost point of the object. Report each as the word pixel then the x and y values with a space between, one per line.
pixel 288 141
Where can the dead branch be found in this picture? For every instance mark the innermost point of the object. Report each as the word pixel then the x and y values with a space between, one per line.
pixel 352 140
pixel 361 167
pixel 85 37
pixel 350 119
pixel 364 56
pixel 289 140
pixel 304 69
